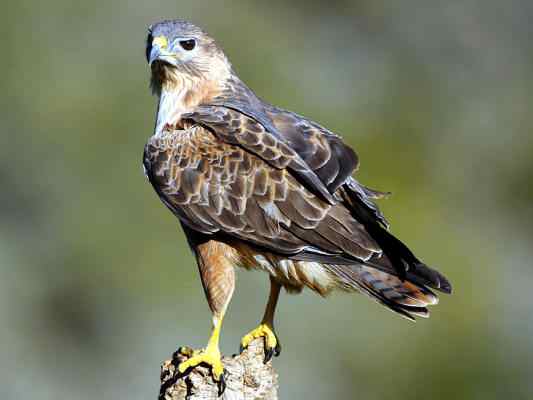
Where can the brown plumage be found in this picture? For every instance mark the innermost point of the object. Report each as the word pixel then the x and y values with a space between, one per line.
pixel 260 187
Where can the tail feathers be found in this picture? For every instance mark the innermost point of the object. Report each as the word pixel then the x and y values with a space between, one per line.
pixel 417 273
pixel 396 259
pixel 403 297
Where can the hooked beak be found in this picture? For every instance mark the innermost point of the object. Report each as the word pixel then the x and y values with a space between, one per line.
pixel 159 52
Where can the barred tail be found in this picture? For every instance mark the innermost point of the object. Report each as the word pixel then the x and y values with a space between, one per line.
pixel 406 298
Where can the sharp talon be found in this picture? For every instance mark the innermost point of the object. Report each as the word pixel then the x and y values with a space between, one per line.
pixel 174 361
pixel 271 342
pixel 269 352
pixel 222 384
pixel 277 349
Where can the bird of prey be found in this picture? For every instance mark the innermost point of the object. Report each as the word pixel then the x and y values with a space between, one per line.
pixel 259 187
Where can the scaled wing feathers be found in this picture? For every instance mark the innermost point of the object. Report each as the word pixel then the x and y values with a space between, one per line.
pixel 323 151
pixel 213 186
pixel 234 127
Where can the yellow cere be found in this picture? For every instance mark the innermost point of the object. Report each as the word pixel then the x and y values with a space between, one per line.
pixel 160 41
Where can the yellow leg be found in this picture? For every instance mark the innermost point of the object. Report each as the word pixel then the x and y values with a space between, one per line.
pixel 266 327
pixel 215 264
pixel 210 355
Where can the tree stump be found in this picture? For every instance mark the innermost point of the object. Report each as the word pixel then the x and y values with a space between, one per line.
pixel 247 378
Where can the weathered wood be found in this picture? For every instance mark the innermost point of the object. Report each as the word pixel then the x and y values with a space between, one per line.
pixel 247 378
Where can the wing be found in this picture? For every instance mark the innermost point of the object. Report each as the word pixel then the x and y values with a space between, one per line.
pixel 221 188
pixel 316 157
pixel 234 127
pixel 323 152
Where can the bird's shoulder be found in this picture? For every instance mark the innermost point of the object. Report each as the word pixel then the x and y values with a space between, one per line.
pixel 324 152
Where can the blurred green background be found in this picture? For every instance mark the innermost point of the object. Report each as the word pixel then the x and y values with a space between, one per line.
pixel 97 285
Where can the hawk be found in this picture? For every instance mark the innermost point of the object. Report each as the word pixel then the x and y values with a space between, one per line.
pixel 259 187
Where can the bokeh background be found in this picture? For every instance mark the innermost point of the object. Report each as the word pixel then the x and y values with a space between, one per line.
pixel 97 285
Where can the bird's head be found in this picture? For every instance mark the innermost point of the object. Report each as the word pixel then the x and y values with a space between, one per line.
pixel 180 53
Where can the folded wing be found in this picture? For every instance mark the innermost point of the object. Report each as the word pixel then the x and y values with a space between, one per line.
pixel 219 187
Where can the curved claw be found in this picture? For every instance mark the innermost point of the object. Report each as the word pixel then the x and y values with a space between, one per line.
pixel 272 351
pixel 221 384
pixel 272 346
pixel 277 349
pixel 269 352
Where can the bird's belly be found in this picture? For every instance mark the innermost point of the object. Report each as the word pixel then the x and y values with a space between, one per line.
pixel 293 275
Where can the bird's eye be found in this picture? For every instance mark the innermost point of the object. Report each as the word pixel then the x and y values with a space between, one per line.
pixel 188 44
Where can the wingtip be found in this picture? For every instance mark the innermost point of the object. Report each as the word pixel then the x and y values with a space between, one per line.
pixel 445 286
pixel 434 278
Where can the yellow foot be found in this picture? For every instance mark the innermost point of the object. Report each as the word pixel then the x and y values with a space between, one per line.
pixel 211 357
pixel 272 345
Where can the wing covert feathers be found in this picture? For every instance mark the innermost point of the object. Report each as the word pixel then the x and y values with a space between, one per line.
pixel 236 128
pixel 322 150
pixel 218 187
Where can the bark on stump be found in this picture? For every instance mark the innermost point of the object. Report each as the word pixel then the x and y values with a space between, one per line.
pixel 247 378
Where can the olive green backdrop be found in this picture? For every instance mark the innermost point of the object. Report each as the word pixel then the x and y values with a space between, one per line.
pixel 97 285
